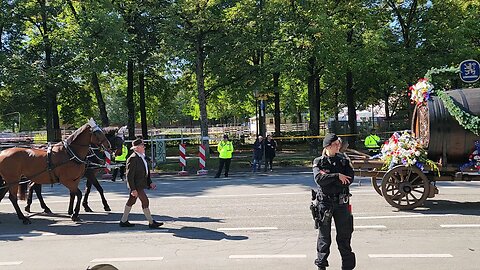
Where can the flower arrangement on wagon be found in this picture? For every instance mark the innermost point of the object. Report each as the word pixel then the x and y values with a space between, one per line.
pixel 421 91
pixel 407 150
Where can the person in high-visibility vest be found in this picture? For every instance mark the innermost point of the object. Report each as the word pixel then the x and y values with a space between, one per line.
pixel 120 159
pixel 372 142
pixel 225 150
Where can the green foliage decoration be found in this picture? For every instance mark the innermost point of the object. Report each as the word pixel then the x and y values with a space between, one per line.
pixel 465 119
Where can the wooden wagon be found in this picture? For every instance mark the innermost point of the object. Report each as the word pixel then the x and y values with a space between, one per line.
pixel 447 143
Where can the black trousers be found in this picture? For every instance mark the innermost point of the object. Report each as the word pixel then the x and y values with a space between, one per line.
pixel 223 162
pixel 269 162
pixel 344 226
pixel 118 169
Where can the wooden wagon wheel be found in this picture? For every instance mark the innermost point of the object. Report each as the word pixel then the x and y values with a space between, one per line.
pixel 405 187
pixel 376 186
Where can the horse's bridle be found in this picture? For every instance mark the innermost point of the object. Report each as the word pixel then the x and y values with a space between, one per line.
pixel 95 130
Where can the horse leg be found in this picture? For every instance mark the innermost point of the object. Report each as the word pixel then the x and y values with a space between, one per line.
pixel 77 206
pixel 13 199
pixel 30 198
pixel 99 188
pixel 88 188
pixel 70 204
pixel 38 191
pixel 3 191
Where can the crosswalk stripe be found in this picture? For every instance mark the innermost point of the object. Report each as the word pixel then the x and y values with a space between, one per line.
pixel 127 259
pixel 410 255
pixel 248 229
pixel 266 256
pixel 460 225
pixel 10 263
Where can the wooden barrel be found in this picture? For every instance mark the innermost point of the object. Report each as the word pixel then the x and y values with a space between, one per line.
pixel 440 133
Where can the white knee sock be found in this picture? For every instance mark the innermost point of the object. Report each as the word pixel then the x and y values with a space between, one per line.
pixel 125 213
pixel 146 211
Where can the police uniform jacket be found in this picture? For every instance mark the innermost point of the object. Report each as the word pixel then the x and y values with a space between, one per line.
pixel 326 170
pixel 137 175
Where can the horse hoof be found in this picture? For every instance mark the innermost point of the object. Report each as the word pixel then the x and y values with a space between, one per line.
pixel 26 221
pixel 107 208
pixel 47 211
pixel 27 209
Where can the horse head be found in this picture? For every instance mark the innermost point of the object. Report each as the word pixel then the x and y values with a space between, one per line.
pixel 116 139
pixel 97 136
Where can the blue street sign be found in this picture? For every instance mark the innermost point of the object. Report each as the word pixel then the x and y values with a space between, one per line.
pixel 469 71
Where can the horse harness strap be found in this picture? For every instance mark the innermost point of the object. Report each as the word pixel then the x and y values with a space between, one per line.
pixel 50 166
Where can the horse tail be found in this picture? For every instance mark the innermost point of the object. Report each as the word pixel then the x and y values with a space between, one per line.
pixel 22 191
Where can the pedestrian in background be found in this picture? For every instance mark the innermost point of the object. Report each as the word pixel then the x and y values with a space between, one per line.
pixel 138 177
pixel 333 174
pixel 258 149
pixel 372 142
pixel 121 161
pixel 225 150
pixel 270 149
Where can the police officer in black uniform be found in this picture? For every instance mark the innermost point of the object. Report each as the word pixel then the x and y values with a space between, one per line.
pixel 333 174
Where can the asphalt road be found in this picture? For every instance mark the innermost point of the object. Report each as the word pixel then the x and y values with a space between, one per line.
pixel 243 222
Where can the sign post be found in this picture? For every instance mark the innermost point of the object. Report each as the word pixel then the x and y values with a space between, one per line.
pixel 469 71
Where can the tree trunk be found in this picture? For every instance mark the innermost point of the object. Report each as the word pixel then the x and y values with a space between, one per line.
pixel 53 122
pixel 143 113
pixel 130 104
pixel 350 95
pixel 313 106
pixel 352 113
pixel 94 77
pixel 100 101
pixel 276 91
pixel 202 101
pixel 387 107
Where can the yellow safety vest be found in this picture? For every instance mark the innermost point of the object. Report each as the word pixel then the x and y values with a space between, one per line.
pixel 225 149
pixel 372 141
pixel 123 156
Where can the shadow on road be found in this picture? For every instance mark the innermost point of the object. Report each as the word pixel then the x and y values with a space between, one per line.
pixel 448 207
pixel 101 223
pixel 204 234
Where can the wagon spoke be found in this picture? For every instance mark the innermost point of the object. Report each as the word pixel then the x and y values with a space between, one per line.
pixel 418 191
pixel 415 198
pixel 421 185
pixel 409 173
pixel 415 179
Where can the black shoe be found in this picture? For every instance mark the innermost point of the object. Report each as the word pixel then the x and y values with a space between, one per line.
pixel 126 224
pixel 155 225
pixel 226 175
pixel 322 268
pixel 217 176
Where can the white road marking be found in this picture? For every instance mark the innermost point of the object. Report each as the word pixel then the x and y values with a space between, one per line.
pixel 32 234
pixel 10 263
pixel 460 225
pixel 407 216
pixel 370 227
pixel 248 229
pixel 264 256
pixel 127 259
pixel 410 255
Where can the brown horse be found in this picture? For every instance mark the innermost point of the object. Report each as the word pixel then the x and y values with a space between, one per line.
pixel 95 157
pixel 65 163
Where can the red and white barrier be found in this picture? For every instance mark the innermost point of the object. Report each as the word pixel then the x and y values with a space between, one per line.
pixel 202 160
pixel 183 159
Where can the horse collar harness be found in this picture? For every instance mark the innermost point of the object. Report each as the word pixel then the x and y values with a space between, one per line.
pixel 72 154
